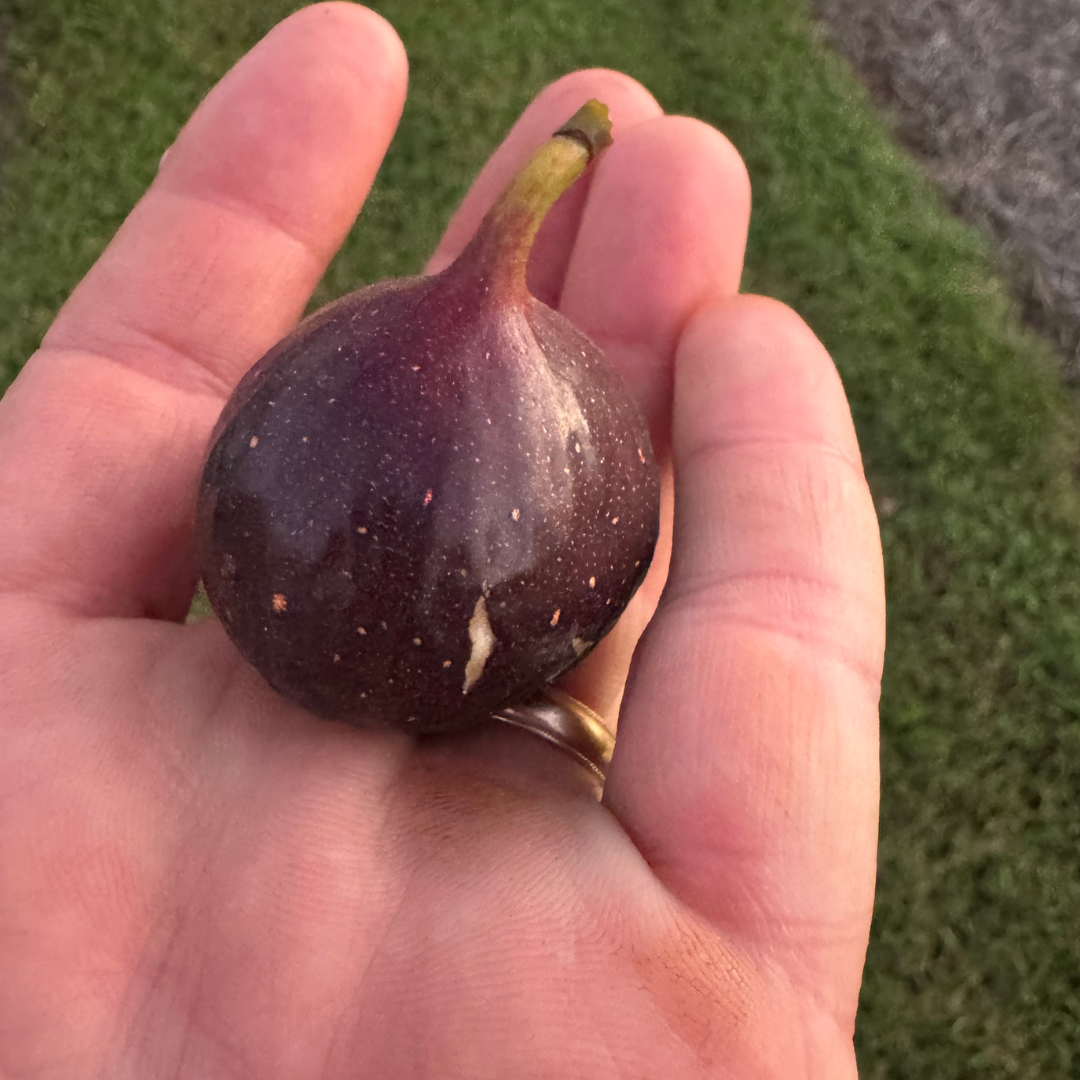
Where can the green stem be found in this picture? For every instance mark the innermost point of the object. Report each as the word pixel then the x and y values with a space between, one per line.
pixel 505 236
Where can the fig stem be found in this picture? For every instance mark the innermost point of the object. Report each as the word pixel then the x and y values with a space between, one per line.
pixel 505 237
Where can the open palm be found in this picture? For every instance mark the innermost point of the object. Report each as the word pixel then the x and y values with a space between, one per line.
pixel 197 879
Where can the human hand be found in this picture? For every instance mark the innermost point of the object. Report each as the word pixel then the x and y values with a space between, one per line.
pixel 197 879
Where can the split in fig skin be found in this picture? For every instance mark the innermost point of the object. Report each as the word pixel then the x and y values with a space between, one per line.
pixel 434 496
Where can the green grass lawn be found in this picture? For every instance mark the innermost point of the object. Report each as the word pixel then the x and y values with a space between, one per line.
pixel 974 965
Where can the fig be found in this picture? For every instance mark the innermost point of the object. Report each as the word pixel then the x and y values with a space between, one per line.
pixel 434 496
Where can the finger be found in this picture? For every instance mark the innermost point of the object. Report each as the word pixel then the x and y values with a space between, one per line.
pixel 746 766
pixel 219 258
pixel 663 232
pixel 104 432
pixel 628 102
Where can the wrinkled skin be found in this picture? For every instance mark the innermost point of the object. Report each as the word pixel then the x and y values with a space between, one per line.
pixel 197 879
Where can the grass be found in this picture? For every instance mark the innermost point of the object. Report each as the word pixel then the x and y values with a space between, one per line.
pixel 974 964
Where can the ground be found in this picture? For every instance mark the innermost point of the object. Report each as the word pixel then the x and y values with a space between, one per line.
pixel 986 93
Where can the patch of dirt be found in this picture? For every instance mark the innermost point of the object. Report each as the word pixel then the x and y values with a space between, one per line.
pixel 986 94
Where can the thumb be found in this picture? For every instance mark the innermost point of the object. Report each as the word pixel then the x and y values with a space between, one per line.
pixel 746 764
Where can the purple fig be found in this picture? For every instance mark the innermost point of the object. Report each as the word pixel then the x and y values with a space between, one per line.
pixel 434 496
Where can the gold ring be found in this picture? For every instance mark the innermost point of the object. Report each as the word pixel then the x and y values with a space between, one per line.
pixel 570 725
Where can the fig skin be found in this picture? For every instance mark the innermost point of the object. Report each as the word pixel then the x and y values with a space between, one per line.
pixel 430 500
